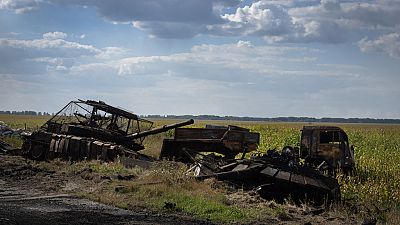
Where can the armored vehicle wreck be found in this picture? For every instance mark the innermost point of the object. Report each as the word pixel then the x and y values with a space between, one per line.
pixel 303 173
pixel 91 130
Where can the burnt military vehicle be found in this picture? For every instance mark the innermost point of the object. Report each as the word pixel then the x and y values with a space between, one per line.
pixel 327 148
pixel 91 130
pixel 305 172
pixel 226 140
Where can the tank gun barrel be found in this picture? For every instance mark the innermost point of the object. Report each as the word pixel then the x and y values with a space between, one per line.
pixel 158 130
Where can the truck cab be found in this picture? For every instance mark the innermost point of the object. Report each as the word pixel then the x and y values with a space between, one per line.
pixel 327 147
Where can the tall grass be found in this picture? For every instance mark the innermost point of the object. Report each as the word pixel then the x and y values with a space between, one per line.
pixel 22 121
pixel 376 179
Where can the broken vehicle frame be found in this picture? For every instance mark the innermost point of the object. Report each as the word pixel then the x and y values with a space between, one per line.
pixel 91 130
pixel 275 175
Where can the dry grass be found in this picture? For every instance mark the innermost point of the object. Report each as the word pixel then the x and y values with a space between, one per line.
pixel 165 182
pixel 22 121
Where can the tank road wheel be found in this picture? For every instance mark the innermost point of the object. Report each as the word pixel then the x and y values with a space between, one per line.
pixel 26 147
pixel 37 152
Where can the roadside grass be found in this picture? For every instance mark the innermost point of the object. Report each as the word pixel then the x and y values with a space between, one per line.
pixel 14 141
pixel 165 183
pixel 22 121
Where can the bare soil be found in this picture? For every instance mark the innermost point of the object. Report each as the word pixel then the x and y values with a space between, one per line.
pixel 31 194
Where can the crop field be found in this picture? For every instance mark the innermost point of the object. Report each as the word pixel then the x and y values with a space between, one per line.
pixel 375 185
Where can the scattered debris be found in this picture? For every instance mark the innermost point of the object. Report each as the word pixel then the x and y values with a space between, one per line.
pixel 95 130
pixel 275 176
pixel 5 147
pixel 303 174
pixel 5 130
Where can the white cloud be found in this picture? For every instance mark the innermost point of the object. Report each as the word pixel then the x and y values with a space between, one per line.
pixel 259 19
pixel 326 21
pixel 48 44
pixel 38 55
pixel 111 53
pixel 229 62
pixel 388 44
pixel 54 35
pixel 20 6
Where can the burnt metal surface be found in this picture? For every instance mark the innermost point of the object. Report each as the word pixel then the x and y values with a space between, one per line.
pixel 327 147
pixel 305 173
pixel 276 176
pixel 91 130
pixel 227 140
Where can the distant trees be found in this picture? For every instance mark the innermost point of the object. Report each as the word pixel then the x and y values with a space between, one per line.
pixel 238 118
pixel 279 119
pixel 30 113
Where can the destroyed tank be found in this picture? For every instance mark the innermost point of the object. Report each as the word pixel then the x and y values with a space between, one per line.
pixel 91 130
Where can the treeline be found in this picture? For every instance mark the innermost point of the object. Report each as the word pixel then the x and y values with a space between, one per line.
pixel 280 119
pixel 238 118
pixel 30 113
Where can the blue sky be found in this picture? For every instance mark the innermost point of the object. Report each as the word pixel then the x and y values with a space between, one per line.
pixel 263 58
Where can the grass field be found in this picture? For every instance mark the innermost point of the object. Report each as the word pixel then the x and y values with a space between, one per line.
pixel 375 185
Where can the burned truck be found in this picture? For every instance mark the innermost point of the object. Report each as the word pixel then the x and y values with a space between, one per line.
pixel 91 130
pixel 327 148
pixel 305 172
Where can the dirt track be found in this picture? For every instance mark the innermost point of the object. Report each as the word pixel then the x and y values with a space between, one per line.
pixel 32 194
pixel 27 197
pixel 68 210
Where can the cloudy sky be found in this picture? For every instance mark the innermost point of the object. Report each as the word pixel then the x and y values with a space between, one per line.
pixel 263 58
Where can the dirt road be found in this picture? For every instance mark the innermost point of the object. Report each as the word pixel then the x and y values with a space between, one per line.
pixel 26 197
pixel 31 193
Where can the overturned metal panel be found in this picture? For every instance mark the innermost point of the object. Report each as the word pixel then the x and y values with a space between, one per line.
pixel 277 178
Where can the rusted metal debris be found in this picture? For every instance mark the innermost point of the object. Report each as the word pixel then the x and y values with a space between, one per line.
pixel 327 148
pixel 226 140
pixel 96 130
pixel 5 147
pixel 5 130
pixel 305 173
pixel 91 130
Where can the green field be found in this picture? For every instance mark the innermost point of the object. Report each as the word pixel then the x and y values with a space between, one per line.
pixel 375 183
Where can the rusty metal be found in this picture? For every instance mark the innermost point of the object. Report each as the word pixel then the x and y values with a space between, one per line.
pixel 227 140
pixel 278 176
pixel 305 173
pixel 327 147
pixel 91 130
